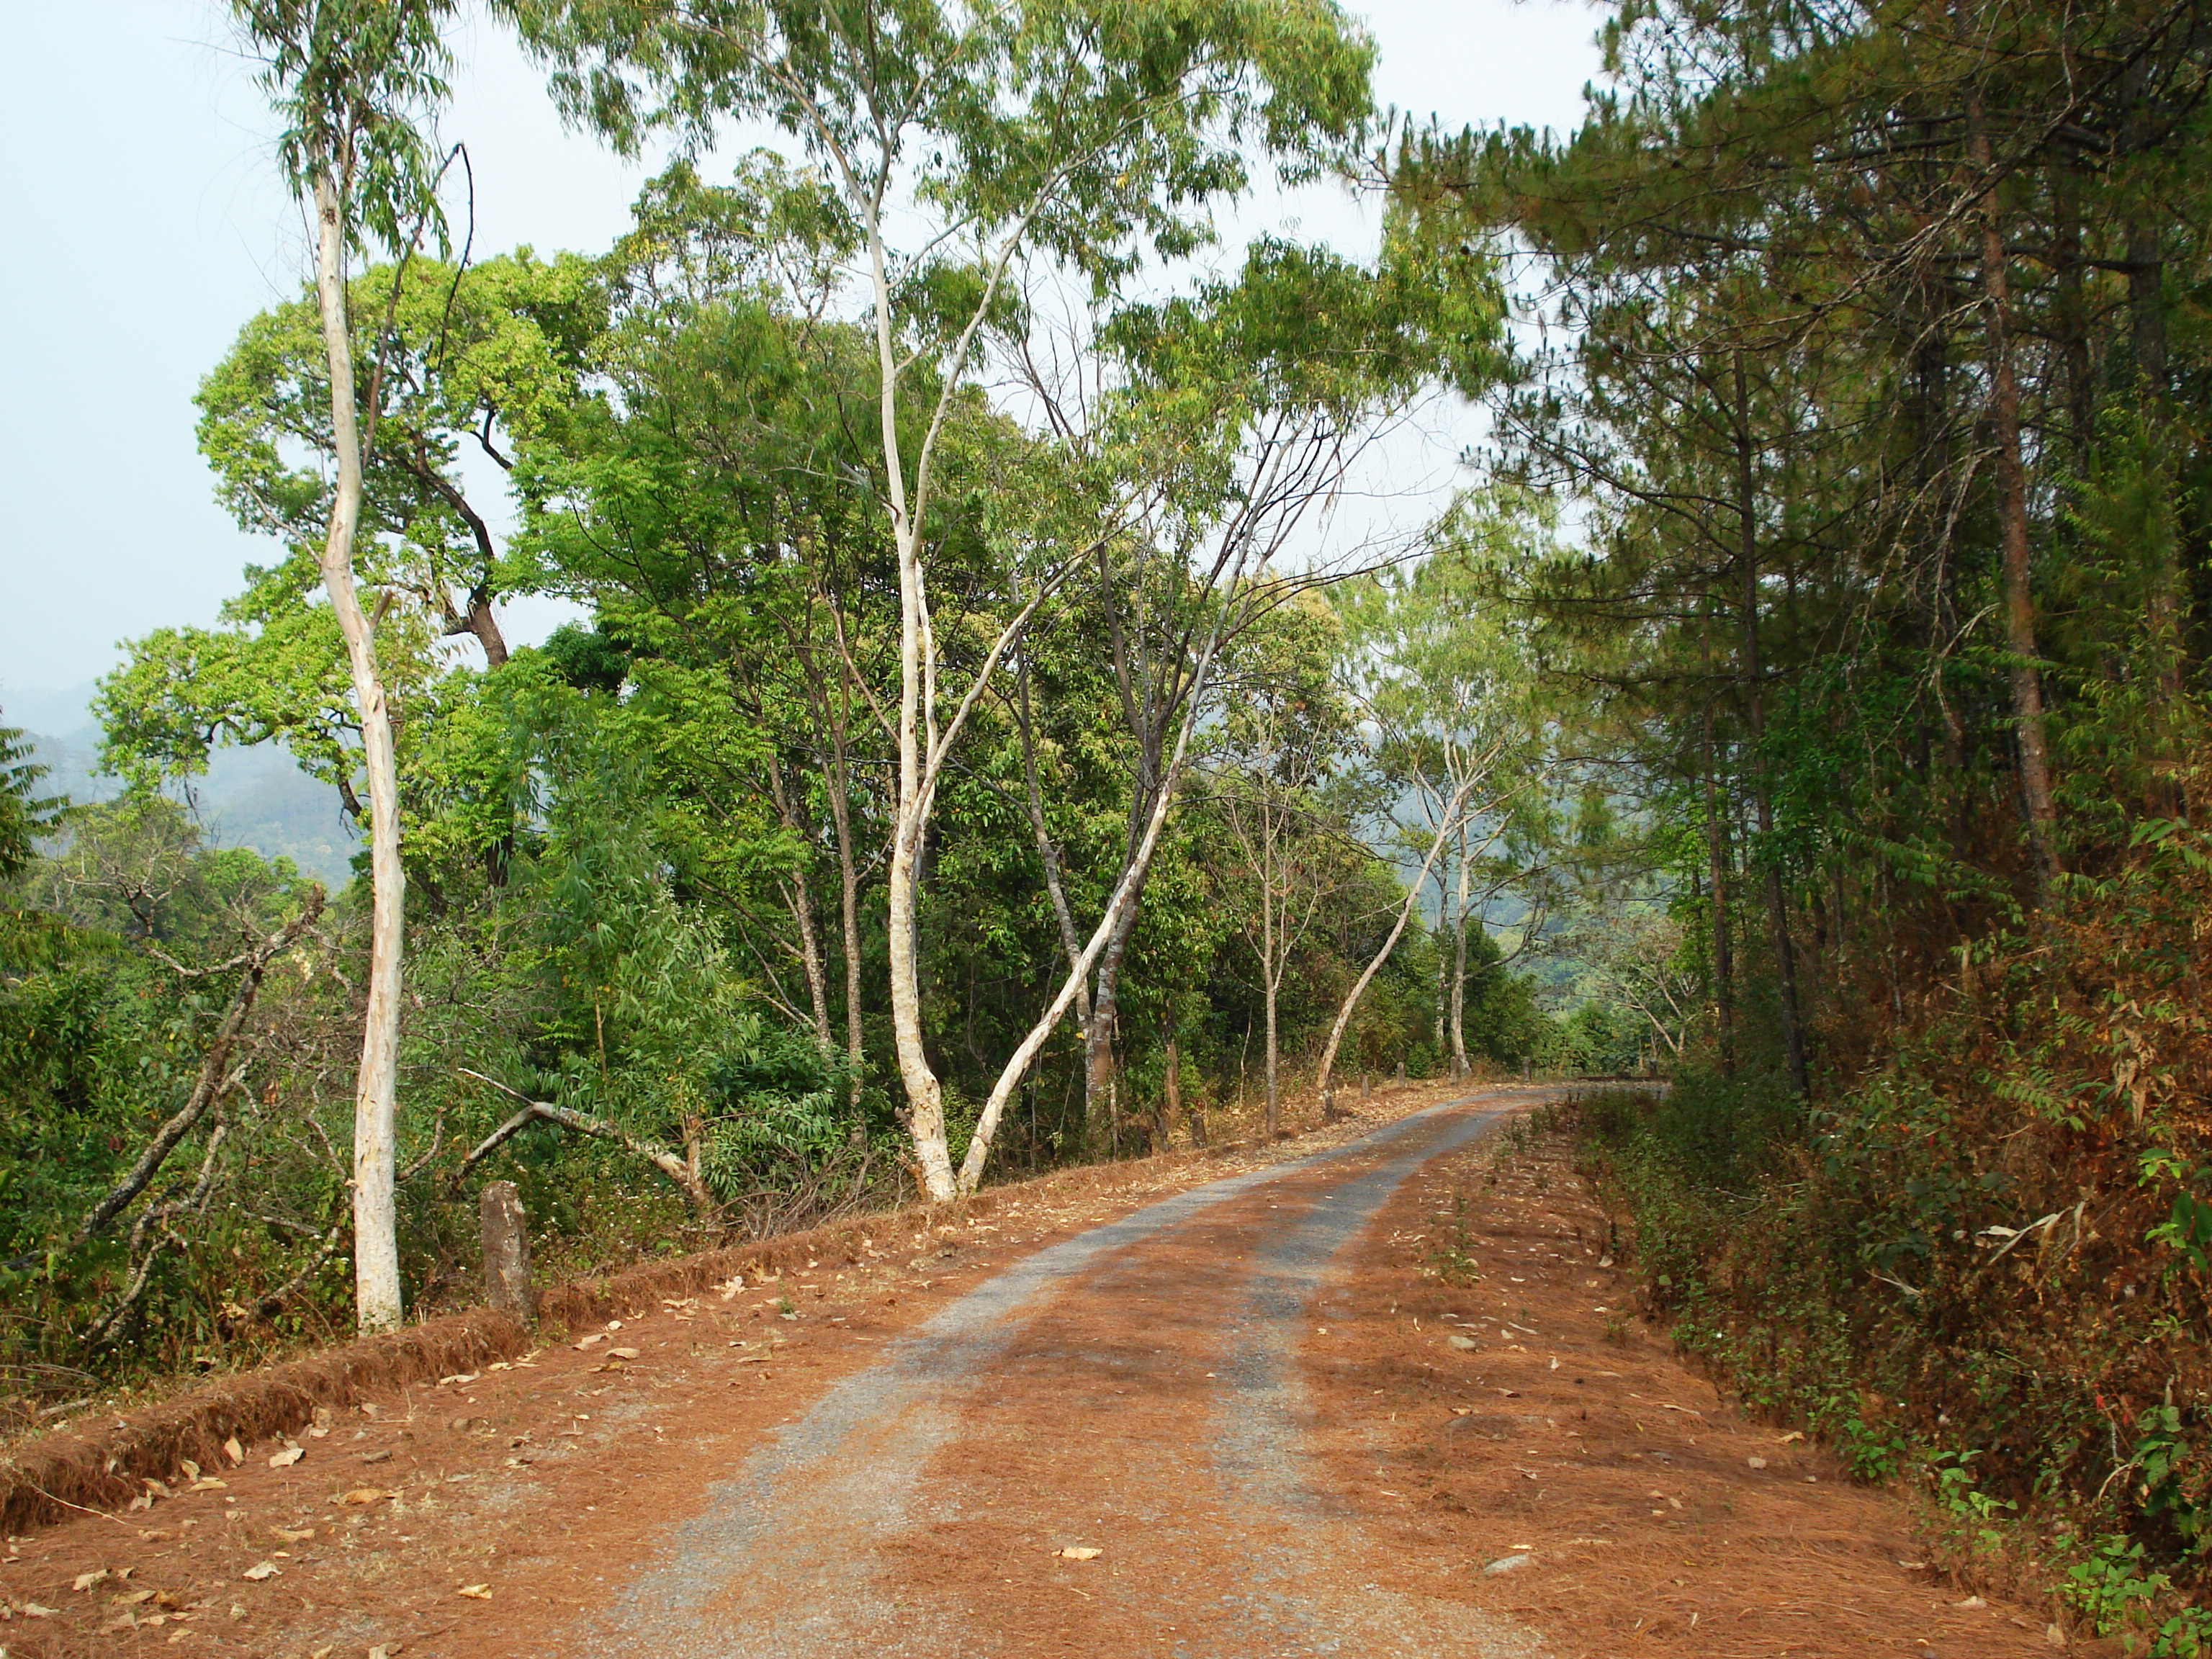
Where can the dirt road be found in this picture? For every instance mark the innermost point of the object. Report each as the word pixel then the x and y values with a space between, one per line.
pixel 1246 1420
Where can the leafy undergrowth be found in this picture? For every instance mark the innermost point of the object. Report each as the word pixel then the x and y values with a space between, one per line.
pixel 1984 1268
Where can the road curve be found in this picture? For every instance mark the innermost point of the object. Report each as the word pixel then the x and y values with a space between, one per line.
pixel 1131 1391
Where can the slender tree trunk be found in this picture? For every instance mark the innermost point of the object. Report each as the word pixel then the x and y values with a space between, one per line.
pixel 1056 886
pixel 1716 861
pixel 1099 1076
pixel 1271 973
pixel 2012 521
pixel 1452 820
pixel 848 911
pixel 2072 315
pixel 2146 335
pixel 1120 906
pixel 1174 1085
pixel 376 1088
pixel 1460 1067
pixel 215 1076
pixel 924 1097
pixel 1444 972
pixel 681 1168
pixel 1933 472
pixel 1778 913
pixel 800 897
pixel 1275 1117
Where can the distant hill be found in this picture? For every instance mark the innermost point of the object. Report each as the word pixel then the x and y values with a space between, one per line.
pixel 256 798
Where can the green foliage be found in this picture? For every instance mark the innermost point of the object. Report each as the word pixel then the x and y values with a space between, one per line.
pixel 25 815
pixel 646 861
pixel 355 82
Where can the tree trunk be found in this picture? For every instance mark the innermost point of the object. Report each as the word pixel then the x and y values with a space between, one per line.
pixel 2012 521
pixel 925 1099
pixel 375 1168
pixel 1754 672
pixel 1451 820
pixel 1440 1025
pixel 1120 905
pixel 1273 1051
pixel 1048 853
pixel 1105 1008
pixel 800 897
pixel 1459 1067
pixel 848 882
pixel 214 1078
pixel 1174 1087
pixel 2072 315
pixel 1717 861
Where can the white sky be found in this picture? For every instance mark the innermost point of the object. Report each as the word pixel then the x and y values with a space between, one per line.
pixel 151 224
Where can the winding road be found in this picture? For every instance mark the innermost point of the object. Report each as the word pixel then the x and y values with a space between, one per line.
pixel 1130 1391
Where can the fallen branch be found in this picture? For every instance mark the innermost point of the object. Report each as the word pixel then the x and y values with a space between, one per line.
pixel 669 1164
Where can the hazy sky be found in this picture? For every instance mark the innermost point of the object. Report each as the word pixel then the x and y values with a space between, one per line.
pixel 151 224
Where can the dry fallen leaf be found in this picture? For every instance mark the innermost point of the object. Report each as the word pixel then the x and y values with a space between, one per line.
pixel 623 1353
pixel 261 1570
pixel 1794 1434
pixel 295 1536
pixel 32 1610
pixel 1080 1553
pixel 285 1459
pixel 1756 1462
pixel 85 1581
pixel 596 1336
pixel 206 1483
pixel 233 1450
pixel 191 1469
pixel 475 1592
pixel 363 1495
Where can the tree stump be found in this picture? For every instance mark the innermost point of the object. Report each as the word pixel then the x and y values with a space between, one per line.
pixel 506 1251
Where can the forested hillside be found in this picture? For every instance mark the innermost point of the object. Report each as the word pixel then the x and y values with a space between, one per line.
pixel 990 746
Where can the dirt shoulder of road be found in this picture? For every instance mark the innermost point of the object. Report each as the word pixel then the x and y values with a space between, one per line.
pixel 425 1515
pixel 1484 1399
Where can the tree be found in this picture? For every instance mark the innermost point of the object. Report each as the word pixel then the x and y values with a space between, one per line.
pixel 1274 775
pixel 481 357
pixel 1075 134
pixel 354 80
pixel 1244 409
pixel 1444 684
pixel 25 815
